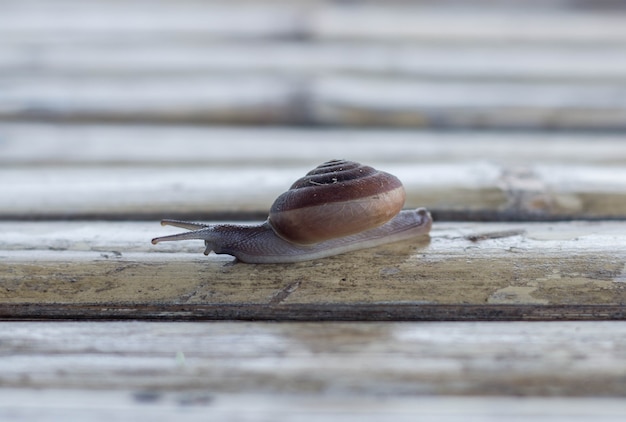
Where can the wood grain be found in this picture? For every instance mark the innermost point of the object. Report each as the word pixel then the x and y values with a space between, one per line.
pixel 348 359
pixel 464 271
pixel 146 172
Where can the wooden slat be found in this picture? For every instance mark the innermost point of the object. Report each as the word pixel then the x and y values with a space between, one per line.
pixel 226 100
pixel 97 20
pixel 70 145
pixel 102 406
pixel 474 21
pixel 306 61
pixel 372 360
pixel 465 271
pixel 462 24
pixel 328 101
pixel 50 171
pixel 478 105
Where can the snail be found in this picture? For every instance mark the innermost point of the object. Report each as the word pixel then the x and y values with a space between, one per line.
pixel 339 206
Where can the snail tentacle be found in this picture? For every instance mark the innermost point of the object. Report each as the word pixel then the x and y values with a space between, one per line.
pixel 184 224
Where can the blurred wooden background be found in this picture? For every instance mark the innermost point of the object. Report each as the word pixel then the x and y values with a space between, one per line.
pixel 507 119
pixel 453 64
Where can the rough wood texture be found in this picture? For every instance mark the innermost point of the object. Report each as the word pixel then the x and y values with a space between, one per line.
pixel 464 271
pixel 143 172
pixel 340 372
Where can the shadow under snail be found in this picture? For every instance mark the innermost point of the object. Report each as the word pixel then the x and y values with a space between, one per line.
pixel 338 207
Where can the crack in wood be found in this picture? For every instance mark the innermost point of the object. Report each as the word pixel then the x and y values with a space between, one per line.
pixel 494 235
pixel 285 292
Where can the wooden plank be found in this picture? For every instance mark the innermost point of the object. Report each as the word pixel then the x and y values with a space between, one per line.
pixel 520 62
pixel 325 101
pixel 473 21
pixel 41 144
pixel 450 371
pixel 464 271
pixel 560 359
pixel 221 100
pixel 49 171
pixel 479 24
pixel 102 406
pixel 374 102
pixel 96 20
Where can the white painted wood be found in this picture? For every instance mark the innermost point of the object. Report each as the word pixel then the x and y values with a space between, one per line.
pixel 80 405
pixel 23 144
pixel 467 24
pixel 477 21
pixel 128 20
pixel 117 170
pixel 230 99
pixel 177 360
pixel 305 60
pixel 192 188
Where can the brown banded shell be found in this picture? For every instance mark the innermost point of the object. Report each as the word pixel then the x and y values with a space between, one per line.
pixel 336 199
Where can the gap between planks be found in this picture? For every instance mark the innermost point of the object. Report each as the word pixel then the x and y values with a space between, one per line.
pixel 368 312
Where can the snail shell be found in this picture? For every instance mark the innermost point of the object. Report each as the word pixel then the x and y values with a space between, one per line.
pixel 336 199
pixel 339 206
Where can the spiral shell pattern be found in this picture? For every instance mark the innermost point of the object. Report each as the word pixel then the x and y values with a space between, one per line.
pixel 336 199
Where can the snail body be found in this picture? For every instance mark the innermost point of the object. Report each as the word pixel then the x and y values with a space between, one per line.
pixel 338 207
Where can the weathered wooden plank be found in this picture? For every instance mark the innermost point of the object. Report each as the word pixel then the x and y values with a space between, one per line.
pixel 102 406
pixel 476 105
pixel 157 192
pixel 351 101
pixel 49 171
pixel 465 271
pixel 474 21
pixel 376 21
pixel 229 99
pixel 28 21
pixel 305 60
pixel 304 360
pixel 474 191
pixel 44 144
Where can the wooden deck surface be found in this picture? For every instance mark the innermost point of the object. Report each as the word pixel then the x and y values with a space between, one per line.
pixel 507 120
